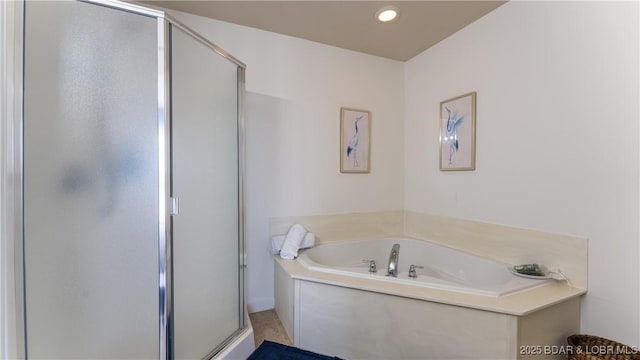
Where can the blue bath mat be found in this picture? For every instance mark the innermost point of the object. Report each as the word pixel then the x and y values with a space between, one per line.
pixel 269 350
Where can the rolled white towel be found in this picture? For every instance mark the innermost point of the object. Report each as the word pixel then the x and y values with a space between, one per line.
pixel 292 242
pixel 277 241
pixel 308 241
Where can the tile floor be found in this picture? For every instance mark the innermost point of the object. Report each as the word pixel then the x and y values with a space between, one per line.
pixel 267 326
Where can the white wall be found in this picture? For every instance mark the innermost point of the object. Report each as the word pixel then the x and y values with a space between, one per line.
pixel 295 89
pixel 557 137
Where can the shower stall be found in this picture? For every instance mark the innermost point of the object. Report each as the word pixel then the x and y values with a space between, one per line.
pixel 128 201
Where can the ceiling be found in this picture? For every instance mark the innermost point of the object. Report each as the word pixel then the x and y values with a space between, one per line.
pixel 348 24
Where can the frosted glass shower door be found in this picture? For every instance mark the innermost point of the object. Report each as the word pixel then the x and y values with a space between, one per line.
pixel 206 273
pixel 90 182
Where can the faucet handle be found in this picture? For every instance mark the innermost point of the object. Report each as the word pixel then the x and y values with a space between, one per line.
pixel 372 265
pixel 412 270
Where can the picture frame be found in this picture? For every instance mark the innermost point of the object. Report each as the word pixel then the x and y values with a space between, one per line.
pixel 355 140
pixel 458 133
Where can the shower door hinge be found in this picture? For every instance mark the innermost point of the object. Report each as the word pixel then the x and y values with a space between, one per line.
pixel 174 206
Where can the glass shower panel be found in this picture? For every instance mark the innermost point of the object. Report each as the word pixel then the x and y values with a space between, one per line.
pixel 90 182
pixel 205 180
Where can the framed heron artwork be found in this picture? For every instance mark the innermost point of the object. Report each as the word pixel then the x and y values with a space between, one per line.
pixel 458 133
pixel 355 140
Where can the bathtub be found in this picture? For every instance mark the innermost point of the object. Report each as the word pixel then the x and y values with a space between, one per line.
pixel 443 268
pixel 460 306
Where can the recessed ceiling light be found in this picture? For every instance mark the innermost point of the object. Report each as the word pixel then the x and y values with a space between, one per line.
pixel 387 13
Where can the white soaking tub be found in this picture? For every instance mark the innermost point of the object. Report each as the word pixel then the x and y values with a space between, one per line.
pixel 460 306
pixel 443 268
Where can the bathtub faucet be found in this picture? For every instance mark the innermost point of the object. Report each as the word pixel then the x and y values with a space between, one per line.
pixel 392 268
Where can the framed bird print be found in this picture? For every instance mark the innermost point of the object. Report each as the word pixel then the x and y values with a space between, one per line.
pixel 355 140
pixel 458 133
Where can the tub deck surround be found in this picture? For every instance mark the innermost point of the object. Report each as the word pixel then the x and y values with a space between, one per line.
pixel 505 244
pixel 518 303
pixel 360 317
pixel 496 242
pixel 363 318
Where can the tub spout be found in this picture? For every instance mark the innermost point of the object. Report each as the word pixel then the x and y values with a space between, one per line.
pixel 392 268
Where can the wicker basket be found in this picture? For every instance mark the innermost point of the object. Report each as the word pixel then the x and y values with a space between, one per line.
pixel 588 347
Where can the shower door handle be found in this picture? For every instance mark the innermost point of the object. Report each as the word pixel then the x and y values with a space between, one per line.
pixel 174 206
